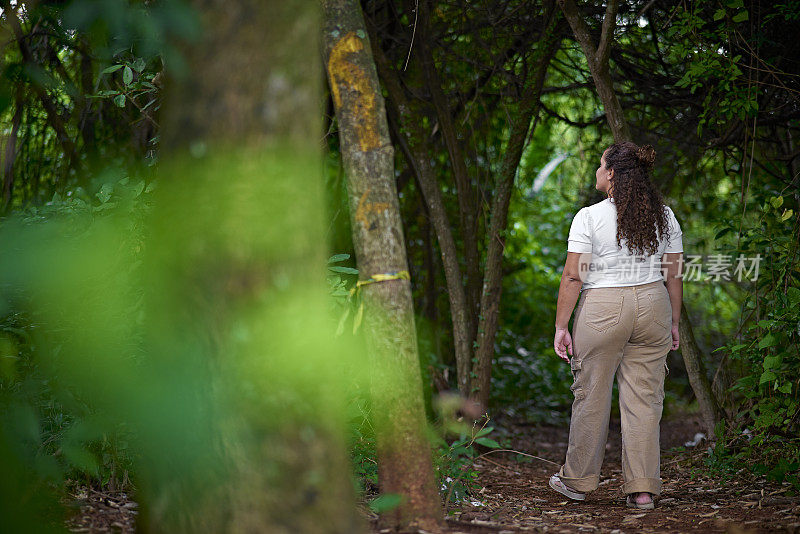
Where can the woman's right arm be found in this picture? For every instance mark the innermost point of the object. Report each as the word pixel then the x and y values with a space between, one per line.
pixel 672 268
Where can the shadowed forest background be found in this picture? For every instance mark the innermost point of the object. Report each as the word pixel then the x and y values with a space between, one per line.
pixel 293 266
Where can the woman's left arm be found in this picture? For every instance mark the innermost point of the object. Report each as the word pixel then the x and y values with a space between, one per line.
pixel 568 291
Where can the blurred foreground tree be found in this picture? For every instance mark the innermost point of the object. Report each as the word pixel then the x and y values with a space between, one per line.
pixel 241 253
pixel 207 332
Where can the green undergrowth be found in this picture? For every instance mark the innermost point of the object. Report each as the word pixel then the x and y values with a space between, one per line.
pixel 455 445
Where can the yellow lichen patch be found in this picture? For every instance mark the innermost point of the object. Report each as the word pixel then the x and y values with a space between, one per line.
pixel 350 77
pixel 364 208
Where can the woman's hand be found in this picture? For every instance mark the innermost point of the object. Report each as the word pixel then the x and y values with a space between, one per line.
pixel 676 337
pixel 563 344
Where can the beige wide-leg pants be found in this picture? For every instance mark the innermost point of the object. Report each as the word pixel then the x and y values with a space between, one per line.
pixel 624 331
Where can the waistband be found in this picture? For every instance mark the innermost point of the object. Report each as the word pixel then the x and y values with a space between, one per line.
pixel 634 288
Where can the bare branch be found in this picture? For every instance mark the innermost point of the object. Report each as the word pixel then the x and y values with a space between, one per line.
pixel 581 30
pixel 607 34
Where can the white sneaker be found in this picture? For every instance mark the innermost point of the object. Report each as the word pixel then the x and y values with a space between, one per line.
pixel 556 484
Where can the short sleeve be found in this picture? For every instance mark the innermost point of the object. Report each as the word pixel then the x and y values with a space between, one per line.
pixel 675 240
pixel 580 233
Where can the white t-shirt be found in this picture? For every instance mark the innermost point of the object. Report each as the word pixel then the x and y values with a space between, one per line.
pixel 594 229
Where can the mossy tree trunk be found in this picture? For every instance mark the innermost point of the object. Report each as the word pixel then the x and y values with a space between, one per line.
pixel 404 454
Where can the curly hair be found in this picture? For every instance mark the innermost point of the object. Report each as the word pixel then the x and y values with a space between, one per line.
pixel 641 214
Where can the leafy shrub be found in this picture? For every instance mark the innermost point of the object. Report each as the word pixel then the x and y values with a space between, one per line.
pixel 58 435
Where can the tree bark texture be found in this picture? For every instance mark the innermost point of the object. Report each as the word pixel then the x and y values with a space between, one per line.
pixel 246 52
pixel 404 455
pixel 597 58
pixel 416 152
pixel 239 237
pixel 692 359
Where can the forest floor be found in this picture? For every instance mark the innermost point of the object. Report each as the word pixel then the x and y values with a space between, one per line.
pixel 514 496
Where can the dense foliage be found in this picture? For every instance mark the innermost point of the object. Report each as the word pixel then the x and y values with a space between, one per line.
pixel 715 87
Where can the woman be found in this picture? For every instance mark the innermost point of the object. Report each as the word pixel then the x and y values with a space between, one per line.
pixel 625 253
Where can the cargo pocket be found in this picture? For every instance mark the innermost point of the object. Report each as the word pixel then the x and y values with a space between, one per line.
pixel 650 385
pixel 576 387
pixel 603 312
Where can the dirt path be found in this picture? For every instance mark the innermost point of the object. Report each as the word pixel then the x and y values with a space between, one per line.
pixel 515 496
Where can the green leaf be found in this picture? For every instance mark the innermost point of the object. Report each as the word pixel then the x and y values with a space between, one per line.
pixel 767 341
pixel 776 202
pixel 488 442
pixel 786 388
pixel 767 376
pixel 385 502
pixel 338 257
pixel 794 295
pixel 459 443
pixel 345 270
pixel 138 188
pixel 722 232
pixel 484 431
pixel 772 362
pixel 120 100
pixel 719 14
pixel 358 317
pixel 105 192
pixel 112 68
pixel 741 16
pixel 340 327
pixel 787 214
pixel 127 75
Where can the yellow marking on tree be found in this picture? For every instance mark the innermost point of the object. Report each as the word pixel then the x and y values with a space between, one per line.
pixel 349 76
pixel 365 208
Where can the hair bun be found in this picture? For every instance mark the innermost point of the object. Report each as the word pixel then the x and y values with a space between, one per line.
pixel 646 154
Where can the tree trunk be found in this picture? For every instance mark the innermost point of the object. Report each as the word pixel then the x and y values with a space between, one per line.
pixel 466 193
pixel 493 273
pixel 53 117
pixel 404 454
pixel 692 358
pixel 418 159
pixel 239 250
pixel 597 59
pixel 10 156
